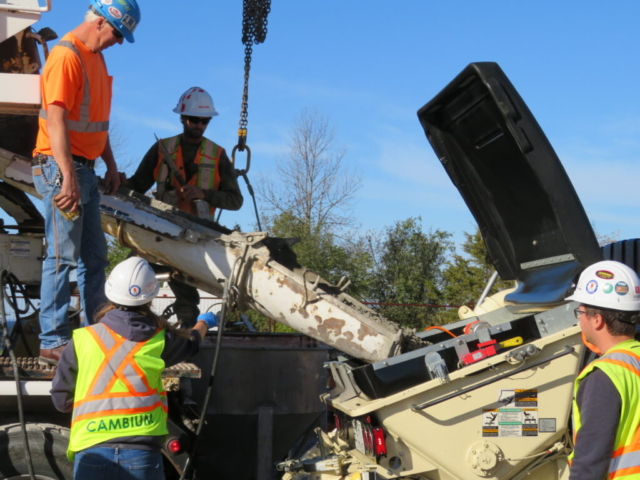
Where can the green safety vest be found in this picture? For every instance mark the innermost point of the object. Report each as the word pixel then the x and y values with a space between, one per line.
pixel 622 365
pixel 118 388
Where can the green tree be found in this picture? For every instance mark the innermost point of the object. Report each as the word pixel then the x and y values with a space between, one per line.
pixel 115 253
pixel 466 275
pixel 409 270
pixel 326 254
pixel 310 197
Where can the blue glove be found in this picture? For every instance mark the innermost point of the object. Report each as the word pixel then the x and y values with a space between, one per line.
pixel 209 318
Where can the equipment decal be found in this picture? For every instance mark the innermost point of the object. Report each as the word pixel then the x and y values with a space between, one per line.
pixel 518 398
pixel 510 422
pixel 516 415
pixel 20 248
pixel 547 425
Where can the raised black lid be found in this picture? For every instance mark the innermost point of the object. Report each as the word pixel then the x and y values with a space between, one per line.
pixel 509 175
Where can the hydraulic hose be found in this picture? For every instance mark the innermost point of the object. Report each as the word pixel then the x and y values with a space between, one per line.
pixel 15 286
pixel 16 375
pixel 214 366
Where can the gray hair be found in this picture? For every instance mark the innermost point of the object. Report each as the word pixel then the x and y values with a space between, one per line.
pixel 91 16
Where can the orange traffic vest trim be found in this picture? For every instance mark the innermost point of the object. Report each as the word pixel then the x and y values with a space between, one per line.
pixel 207 178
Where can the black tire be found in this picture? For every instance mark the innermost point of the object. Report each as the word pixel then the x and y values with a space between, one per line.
pixel 48 444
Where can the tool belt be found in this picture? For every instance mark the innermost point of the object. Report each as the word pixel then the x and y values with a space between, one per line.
pixel 41 159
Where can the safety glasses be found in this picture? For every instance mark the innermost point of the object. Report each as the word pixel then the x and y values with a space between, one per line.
pixel 578 313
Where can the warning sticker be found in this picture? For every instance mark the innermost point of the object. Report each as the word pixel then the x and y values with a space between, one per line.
pixel 20 248
pixel 518 398
pixel 526 398
pixel 510 422
pixel 548 425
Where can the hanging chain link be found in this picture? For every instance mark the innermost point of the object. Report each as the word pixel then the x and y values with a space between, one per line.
pixel 254 31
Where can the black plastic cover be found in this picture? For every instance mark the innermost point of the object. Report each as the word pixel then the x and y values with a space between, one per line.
pixel 508 174
pixel 624 251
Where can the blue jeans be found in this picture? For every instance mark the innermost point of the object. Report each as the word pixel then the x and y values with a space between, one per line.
pixel 78 243
pixel 102 463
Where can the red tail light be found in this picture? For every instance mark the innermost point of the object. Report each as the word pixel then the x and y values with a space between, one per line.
pixel 379 442
pixel 174 446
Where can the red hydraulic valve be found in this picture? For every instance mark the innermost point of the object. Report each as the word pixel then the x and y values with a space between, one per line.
pixel 485 349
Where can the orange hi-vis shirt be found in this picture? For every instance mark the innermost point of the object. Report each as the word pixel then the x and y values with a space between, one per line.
pixel 76 79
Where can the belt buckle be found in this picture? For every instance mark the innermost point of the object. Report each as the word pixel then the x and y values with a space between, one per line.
pixel 39 160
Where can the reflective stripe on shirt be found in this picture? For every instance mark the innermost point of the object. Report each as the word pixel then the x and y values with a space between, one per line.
pixel 83 124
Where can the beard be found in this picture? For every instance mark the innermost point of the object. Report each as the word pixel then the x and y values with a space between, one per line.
pixel 193 133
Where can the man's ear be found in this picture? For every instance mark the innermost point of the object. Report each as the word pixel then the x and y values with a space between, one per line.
pixel 598 322
pixel 100 21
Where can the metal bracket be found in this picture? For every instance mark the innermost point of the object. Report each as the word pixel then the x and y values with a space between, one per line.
pixel 254 237
pixel 461 347
pixel 436 366
pixel 548 261
pixel 346 284
pixel 521 354
pixel 313 287
pixel 191 236
pixel 342 375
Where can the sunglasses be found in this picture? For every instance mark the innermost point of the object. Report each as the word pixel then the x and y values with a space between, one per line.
pixel 197 120
pixel 116 32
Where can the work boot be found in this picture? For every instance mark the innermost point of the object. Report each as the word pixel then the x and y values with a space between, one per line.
pixel 50 356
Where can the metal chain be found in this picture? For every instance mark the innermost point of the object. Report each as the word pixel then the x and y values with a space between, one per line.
pixel 254 31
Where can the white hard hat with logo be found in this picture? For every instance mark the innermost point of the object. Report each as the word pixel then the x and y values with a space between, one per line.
pixel 609 284
pixel 196 102
pixel 132 283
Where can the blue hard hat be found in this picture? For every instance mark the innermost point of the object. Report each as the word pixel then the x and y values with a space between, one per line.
pixel 124 15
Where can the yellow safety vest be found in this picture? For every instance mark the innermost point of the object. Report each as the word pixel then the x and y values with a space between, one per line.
pixel 207 178
pixel 622 365
pixel 118 389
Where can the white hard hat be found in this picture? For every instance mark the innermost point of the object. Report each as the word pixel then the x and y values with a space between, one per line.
pixel 609 284
pixel 196 102
pixel 132 283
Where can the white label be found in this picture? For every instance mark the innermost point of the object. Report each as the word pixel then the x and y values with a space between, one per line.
pixel 359 437
pixel 20 248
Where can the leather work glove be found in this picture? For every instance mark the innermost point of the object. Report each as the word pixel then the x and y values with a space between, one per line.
pixel 209 318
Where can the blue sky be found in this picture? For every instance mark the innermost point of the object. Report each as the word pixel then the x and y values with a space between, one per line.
pixel 369 66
